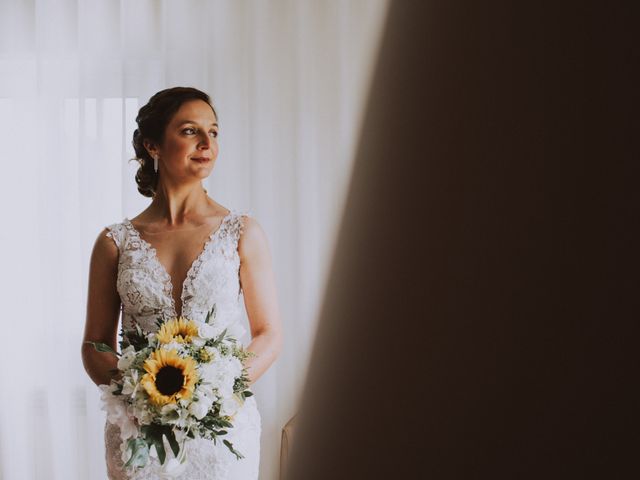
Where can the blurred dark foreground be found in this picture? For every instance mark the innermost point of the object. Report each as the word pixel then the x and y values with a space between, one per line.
pixel 481 316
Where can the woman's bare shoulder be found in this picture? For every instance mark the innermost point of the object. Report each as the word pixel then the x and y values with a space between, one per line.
pixel 105 246
pixel 253 239
pixel 250 223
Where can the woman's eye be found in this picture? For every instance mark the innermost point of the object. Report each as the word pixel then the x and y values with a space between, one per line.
pixel 191 131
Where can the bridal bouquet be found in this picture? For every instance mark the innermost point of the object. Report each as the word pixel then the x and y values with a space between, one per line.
pixel 184 381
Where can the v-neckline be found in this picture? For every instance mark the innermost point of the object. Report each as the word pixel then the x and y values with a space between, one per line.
pixel 191 272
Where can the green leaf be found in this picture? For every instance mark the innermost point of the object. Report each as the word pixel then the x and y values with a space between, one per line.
pixel 103 347
pixel 124 343
pixel 211 313
pixel 224 423
pixel 136 338
pixel 173 443
pixel 230 447
pixel 158 443
pixel 221 336
pixel 139 453
pixel 154 433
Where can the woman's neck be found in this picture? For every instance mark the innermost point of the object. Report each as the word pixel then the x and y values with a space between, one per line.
pixel 178 204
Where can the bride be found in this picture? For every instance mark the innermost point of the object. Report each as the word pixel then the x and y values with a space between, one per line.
pixel 178 257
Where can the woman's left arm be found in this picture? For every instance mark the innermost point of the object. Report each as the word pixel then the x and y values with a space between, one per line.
pixel 260 299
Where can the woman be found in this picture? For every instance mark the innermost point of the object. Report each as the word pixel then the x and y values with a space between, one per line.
pixel 178 257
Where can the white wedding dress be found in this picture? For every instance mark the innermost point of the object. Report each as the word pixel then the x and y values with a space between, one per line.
pixel 145 291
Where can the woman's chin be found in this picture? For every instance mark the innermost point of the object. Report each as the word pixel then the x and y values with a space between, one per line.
pixel 202 170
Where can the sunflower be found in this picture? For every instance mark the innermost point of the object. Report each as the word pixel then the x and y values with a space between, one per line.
pixel 178 330
pixel 169 377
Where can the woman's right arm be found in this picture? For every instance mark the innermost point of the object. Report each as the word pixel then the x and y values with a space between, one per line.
pixel 103 310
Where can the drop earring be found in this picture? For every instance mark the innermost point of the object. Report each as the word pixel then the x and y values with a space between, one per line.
pixel 155 163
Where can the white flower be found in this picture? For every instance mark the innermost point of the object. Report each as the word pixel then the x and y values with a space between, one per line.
pixel 168 408
pixel 172 468
pixel 182 416
pixel 208 371
pixel 207 331
pixel 117 412
pixel 234 366
pixel 205 390
pixel 222 373
pixel 180 435
pixel 125 454
pixel 169 413
pixel 230 405
pixel 141 411
pixel 126 358
pixel 172 346
pixel 130 383
pixel 213 353
pixel 200 407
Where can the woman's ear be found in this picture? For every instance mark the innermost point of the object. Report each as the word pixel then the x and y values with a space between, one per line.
pixel 151 148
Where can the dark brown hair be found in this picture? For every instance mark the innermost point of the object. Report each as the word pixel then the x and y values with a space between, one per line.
pixel 152 121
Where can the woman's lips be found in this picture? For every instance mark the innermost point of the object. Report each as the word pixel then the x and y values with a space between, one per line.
pixel 201 159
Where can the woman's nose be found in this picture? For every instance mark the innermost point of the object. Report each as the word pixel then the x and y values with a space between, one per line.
pixel 205 141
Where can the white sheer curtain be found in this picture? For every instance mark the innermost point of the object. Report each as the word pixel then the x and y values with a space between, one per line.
pixel 288 79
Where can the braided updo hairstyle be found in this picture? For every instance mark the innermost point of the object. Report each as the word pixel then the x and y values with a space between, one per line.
pixel 152 121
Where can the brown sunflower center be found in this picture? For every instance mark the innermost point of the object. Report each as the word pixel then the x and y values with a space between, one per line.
pixel 169 380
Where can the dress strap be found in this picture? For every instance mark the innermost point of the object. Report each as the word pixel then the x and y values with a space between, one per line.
pixel 117 233
pixel 230 232
pixel 235 226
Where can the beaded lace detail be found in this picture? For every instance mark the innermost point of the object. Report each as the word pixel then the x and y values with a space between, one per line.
pixel 145 291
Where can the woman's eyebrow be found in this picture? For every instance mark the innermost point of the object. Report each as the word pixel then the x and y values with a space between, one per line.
pixel 191 121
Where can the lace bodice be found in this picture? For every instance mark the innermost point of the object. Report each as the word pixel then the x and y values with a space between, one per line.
pixel 145 287
pixel 146 294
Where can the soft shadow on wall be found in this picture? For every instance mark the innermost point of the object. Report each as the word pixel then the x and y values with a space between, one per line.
pixel 481 310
